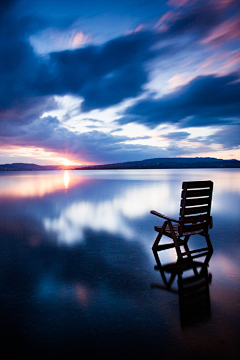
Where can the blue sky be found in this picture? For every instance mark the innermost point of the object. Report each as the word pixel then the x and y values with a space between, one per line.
pixel 86 82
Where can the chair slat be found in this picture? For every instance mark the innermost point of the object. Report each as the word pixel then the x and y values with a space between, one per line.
pixel 197 201
pixel 195 218
pixel 193 227
pixel 197 193
pixel 194 210
pixel 197 184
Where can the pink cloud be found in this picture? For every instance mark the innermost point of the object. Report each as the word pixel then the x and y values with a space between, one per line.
pixel 163 22
pixel 222 3
pixel 227 31
pixel 179 3
pixel 216 3
pixel 138 29
pixel 232 60
pixel 80 39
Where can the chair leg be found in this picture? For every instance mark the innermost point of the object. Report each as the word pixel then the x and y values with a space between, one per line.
pixel 190 257
pixel 210 252
pixel 186 238
pixel 175 240
pixel 209 244
pixel 158 238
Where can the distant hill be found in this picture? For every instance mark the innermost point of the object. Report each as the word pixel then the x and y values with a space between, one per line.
pixel 169 163
pixel 30 167
pixel 157 163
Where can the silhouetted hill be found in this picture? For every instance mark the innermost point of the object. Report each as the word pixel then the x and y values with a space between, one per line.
pixel 169 163
pixel 30 167
pixel 157 163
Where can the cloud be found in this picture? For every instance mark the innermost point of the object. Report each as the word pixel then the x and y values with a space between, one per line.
pixel 196 21
pixel 233 59
pixel 102 75
pixel 93 147
pixel 79 39
pixel 228 137
pixel 206 100
pixel 178 3
pixel 18 63
pixel 224 33
pixel 177 135
pixel 28 110
pixel 208 21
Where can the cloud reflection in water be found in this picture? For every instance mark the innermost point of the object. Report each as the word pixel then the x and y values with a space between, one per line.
pixel 111 216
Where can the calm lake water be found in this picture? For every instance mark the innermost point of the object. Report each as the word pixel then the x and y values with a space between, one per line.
pixel 77 269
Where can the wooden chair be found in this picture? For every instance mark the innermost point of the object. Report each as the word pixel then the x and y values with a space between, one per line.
pixel 194 219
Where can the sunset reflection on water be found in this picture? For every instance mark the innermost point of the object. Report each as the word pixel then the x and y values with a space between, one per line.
pixel 66 179
pixel 36 184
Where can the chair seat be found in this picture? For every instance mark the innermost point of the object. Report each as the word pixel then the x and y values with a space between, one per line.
pixel 167 231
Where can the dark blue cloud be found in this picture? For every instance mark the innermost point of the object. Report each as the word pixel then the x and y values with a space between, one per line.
pixel 195 21
pixel 177 135
pixel 206 100
pixel 27 111
pixel 102 75
pixel 228 137
pixel 18 63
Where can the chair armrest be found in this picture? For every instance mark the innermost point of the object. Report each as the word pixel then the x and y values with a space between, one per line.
pixel 165 217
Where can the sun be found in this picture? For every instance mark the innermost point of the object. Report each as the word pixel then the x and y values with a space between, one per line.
pixel 67 162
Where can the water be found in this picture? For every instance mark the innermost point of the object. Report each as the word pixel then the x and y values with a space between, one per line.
pixel 77 267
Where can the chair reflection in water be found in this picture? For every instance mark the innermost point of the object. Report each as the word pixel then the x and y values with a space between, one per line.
pixel 194 219
pixel 193 290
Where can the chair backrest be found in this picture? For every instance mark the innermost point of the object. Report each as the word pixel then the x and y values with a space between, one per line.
pixel 195 206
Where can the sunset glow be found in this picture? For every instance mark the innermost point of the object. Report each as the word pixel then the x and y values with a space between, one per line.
pixel 37 155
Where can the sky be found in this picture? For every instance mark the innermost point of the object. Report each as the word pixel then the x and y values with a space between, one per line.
pixel 98 82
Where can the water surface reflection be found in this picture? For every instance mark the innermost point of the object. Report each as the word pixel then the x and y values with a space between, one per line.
pixel 76 265
pixel 31 184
